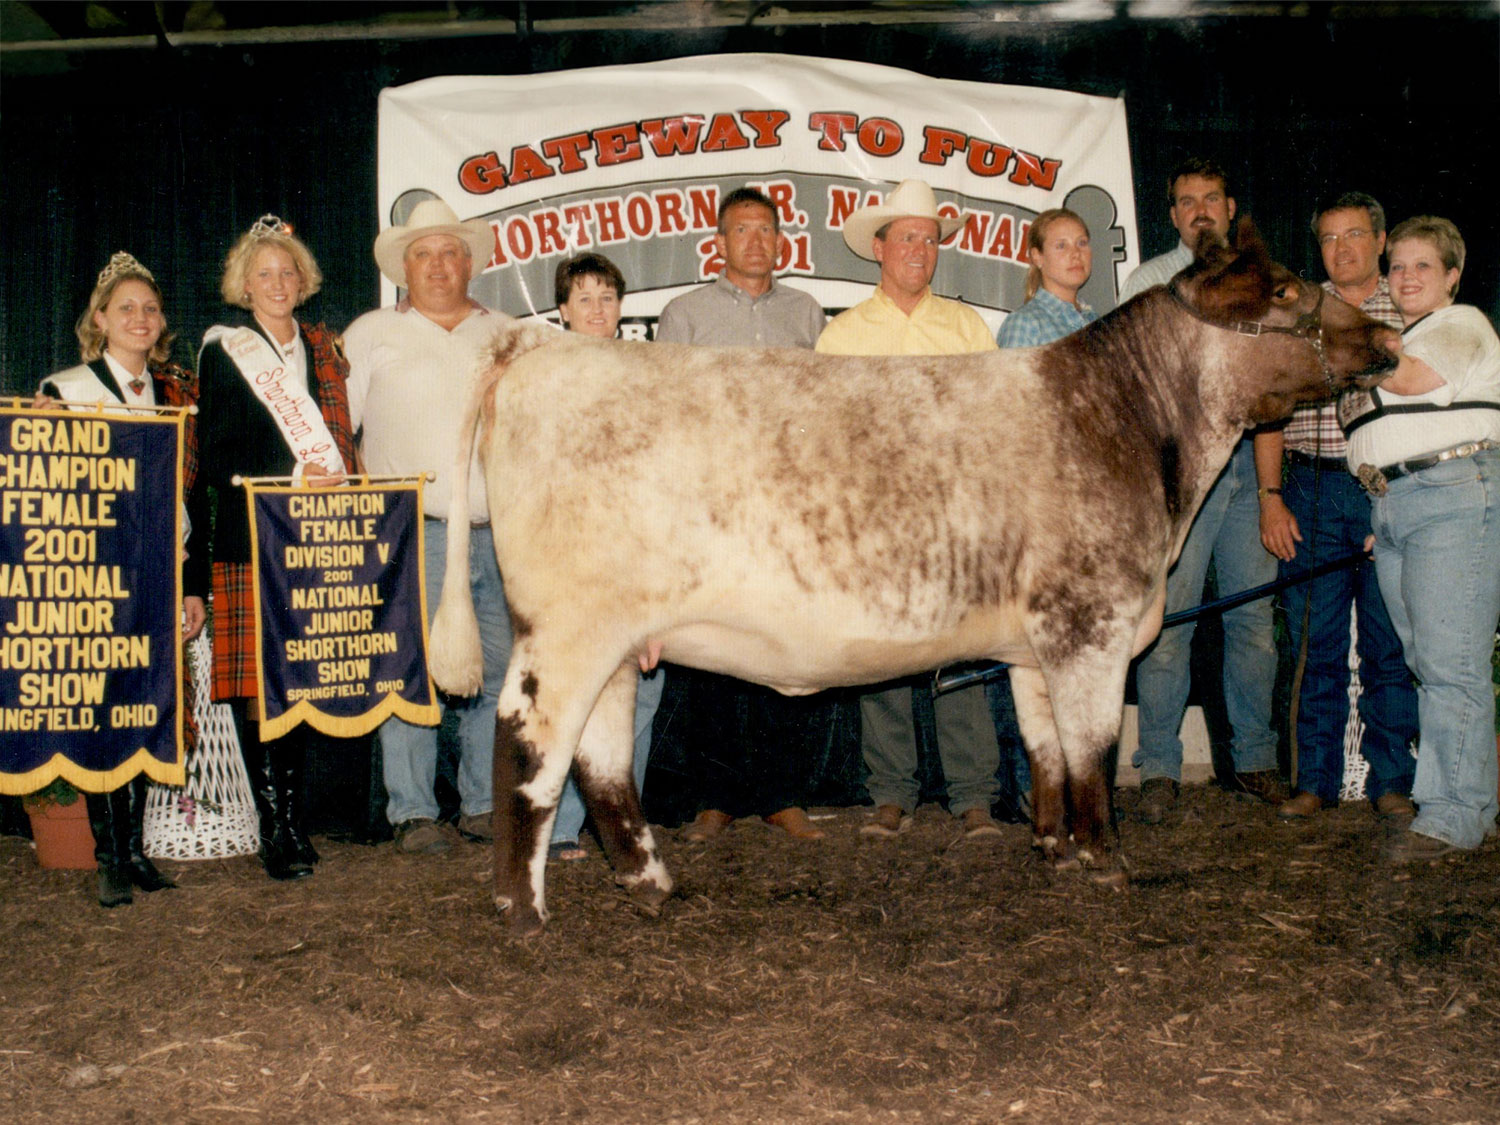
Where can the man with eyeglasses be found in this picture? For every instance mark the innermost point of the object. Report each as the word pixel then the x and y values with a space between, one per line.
pixel 1309 498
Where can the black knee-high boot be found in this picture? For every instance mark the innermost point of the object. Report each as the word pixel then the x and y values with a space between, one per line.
pixel 288 762
pixel 268 786
pixel 141 870
pixel 107 818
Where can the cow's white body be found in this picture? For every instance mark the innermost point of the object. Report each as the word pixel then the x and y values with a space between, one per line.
pixel 808 521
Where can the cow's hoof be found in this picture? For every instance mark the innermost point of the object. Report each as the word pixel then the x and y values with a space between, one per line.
pixel 648 897
pixel 1057 851
pixel 1106 869
pixel 522 921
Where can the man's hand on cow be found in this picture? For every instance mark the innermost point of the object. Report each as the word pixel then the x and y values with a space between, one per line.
pixel 42 401
pixel 1278 528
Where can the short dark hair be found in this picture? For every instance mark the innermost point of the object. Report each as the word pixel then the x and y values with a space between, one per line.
pixel 1349 201
pixel 748 195
pixel 570 270
pixel 1196 166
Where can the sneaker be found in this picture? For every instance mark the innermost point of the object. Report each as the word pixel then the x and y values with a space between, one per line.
pixel 1158 797
pixel 1263 785
pixel 978 824
pixel 478 827
pixel 887 822
pixel 421 836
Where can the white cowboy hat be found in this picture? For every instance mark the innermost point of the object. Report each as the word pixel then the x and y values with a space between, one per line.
pixel 912 199
pixel 431 216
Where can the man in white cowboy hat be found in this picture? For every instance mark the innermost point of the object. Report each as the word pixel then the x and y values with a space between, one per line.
pixel 904 317
pixel 409 373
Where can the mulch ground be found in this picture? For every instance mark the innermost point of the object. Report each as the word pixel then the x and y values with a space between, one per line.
pixel 1253 972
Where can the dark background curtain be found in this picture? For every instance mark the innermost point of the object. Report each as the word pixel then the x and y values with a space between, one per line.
pixel 171 152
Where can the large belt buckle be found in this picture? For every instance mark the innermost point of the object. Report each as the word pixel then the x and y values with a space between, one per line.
pixel 1373 480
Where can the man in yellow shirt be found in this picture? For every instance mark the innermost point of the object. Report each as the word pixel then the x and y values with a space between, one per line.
pixel 904 317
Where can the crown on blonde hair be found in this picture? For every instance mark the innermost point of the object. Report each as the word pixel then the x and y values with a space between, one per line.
pixel 122 264
pixel 268 225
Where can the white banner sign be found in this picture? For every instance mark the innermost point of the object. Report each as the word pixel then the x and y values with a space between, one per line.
pixel 631 161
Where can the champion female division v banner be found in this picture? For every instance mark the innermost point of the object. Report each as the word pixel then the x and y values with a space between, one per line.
pixel 91 538
pixel 340 607
pixel 631 161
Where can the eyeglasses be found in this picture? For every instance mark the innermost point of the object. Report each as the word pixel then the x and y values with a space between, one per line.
pixel 1352 237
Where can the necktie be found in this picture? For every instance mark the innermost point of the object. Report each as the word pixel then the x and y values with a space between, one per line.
pixel 137 386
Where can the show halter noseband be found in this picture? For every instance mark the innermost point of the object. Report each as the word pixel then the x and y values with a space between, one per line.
pixel 1309 327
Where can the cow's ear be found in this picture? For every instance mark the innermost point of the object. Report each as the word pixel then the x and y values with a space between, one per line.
pixel 1211 248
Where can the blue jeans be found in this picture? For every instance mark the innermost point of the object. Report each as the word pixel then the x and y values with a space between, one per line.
pixel 1227 530
pixel 1333 514
pixel 1437 555
pixel 570 810
pixel 408 752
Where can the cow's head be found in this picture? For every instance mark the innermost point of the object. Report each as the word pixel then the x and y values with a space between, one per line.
pixel 1307 344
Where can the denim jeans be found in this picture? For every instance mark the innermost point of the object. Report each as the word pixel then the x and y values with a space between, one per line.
pixel 570 809
pixel 408 752
pixel 1227 530
pixel 1333 515
pixel 1437 554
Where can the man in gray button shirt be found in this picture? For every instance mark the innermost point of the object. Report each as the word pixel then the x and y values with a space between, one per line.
pixel 744 307
pixel 751 749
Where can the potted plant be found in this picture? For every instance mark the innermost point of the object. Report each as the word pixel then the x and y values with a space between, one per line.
pixel 60 826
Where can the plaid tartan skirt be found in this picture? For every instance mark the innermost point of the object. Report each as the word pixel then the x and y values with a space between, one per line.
pixel 234 633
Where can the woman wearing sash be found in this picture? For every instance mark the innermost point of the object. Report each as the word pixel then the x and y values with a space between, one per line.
pixel 126 351
pixel 274 404
pixel 1425 443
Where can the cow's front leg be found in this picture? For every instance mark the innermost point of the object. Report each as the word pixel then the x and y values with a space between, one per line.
pixel 604 778
pixel 1048 770
pixel 1088 694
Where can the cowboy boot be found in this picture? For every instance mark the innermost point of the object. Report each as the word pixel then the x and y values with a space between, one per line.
pixel 114 881
pixel 288 759
pixel 142 871
pixel 276 853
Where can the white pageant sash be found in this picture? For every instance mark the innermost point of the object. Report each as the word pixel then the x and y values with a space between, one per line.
pixel 81 384
pixel 295 413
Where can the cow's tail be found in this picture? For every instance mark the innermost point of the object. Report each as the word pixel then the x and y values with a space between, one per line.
pixel 455 657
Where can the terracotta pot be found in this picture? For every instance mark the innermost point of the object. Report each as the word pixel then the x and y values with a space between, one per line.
pixel 63 837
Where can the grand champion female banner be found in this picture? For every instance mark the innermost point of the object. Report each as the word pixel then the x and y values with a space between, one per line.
pixel 90 598
pixel 340 607
pixel 631 161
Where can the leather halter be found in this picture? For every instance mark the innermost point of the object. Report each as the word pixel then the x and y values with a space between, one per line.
pixel 1309 327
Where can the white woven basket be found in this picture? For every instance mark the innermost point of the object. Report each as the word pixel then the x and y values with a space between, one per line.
pixel 213 815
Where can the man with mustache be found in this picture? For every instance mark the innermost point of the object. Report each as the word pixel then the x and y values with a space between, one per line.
pixel 409 371
pixel 1226 531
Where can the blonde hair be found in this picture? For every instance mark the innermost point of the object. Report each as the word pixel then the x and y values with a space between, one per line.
pixel 1038 236
pixel 241 257
pixel 91 340
pixel 1438 233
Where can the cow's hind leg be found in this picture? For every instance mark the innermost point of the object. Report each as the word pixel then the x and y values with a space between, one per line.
pixel 1049 772
pixel 604 778
pixel 543 707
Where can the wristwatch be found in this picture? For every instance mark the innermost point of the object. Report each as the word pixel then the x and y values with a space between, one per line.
pixel 1264 492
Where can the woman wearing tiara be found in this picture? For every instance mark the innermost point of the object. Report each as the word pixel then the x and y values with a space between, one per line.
pixel 243 370
pixel 126 350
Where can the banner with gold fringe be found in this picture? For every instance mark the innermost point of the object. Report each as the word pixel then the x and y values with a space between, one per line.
pixel 340 606
pixel 91 532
